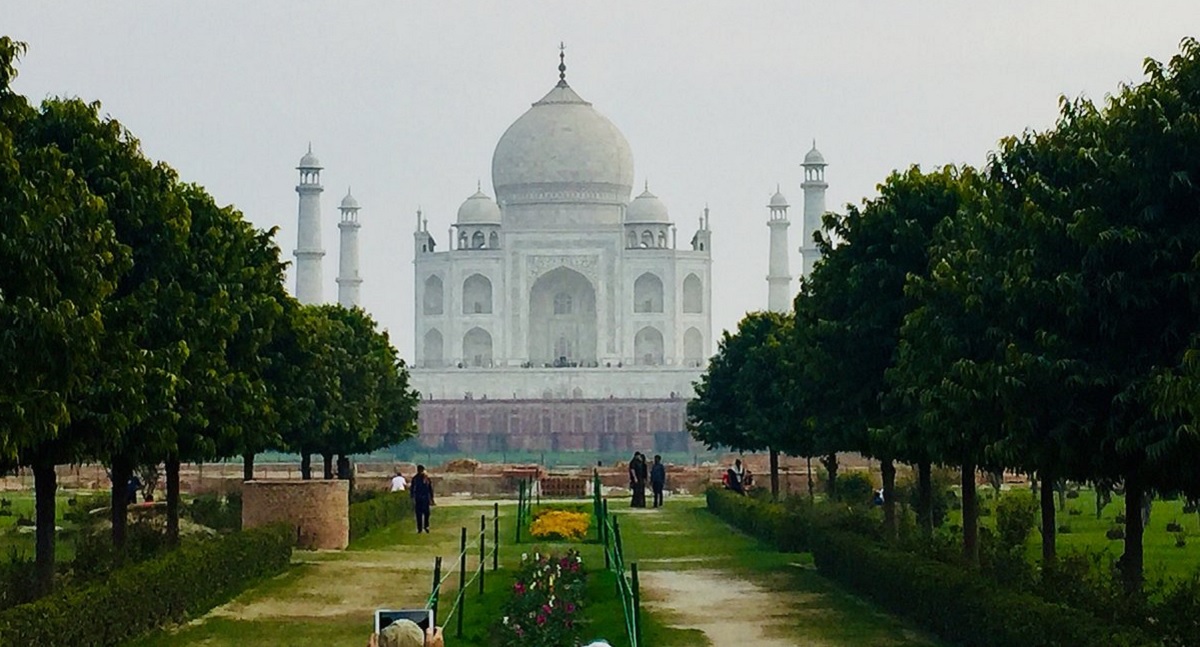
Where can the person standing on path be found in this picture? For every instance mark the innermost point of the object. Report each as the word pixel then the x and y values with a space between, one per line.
pixel 399 483
pixel 421 492
pixel 637 480
pixel 658 478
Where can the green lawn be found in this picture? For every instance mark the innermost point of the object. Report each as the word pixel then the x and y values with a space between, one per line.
pixel 1163 558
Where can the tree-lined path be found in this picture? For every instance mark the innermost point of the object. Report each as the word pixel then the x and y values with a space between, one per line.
pixel 731 590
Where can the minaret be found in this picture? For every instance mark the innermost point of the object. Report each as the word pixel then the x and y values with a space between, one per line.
pixel 308 232
pixel 814 206
pixel 348 280
pixel 779 279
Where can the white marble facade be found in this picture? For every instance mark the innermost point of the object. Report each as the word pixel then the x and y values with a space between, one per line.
pixel 563 286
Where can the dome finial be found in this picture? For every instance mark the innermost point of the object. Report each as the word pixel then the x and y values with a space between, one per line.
pixel 562 63
pixel 478 184
pixel 647 186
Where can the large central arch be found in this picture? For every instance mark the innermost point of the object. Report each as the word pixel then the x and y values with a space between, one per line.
pixel 562 319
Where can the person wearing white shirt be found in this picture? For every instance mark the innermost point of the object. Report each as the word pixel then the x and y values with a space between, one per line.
pixel 399 483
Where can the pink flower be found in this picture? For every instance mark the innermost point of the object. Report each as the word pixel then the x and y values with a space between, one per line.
pixel 541 619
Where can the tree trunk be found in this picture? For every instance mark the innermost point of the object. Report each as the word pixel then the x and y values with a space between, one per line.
pixel 970 514
pixel 172 465
pixel 305 465
pixel 1131 560
pixel 831 469
pixel 925 495
pixel 808 462
pixel 888 470
pixel 1049 527
pixel 343 467
pixel 248 466
pixel 122 471
pixel 45 486
pixel 774 473
pixel 1061 488
pixel 328 465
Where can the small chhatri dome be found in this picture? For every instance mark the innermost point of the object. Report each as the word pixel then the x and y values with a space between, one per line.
pixel 309 161
pixel 778 200
pixel 646 208
pixel 479 209
pixel 349 202
pixel 814 156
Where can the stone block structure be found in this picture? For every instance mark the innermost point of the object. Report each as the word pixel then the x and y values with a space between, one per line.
pixel 318 510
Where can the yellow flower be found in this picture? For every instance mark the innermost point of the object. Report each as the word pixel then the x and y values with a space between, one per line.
pixel 561 525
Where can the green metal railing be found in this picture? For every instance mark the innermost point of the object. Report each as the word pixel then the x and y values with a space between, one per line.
pixel 628 588
pixel 457 611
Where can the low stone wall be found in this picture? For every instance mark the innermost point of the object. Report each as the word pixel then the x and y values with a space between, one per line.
pixel 319 510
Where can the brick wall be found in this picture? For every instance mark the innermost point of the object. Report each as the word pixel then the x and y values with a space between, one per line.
pixel 318 510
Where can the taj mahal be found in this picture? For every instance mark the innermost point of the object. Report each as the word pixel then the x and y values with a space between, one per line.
pixel 564 314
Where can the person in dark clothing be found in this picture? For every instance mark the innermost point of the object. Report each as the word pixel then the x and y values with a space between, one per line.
pixel 421 491
pixel 658 478
pixel 637 480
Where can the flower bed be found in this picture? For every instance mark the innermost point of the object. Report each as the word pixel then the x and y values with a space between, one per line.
pixel 560 525
pixel 545 603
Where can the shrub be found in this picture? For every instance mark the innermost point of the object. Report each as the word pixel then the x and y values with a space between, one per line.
pixel 956 603
pixel 560 525
pixel 941 495
pixel 379 511
pixel 1064 529
pixel 224 514
pixel 137 599
pixel 855 488
pixel 1016 515
pixel 1115 533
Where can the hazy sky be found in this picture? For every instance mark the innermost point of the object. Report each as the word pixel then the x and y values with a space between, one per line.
pixel 405 101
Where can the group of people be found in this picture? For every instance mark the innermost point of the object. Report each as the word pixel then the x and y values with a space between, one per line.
pixel 640 472
pixel 406 633
pixel 421 491
pixel 737 478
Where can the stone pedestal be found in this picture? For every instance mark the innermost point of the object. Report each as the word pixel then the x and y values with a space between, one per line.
pixel 318 510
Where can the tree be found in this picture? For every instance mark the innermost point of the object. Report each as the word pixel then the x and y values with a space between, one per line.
pixel 232 289
pixel 743 401
pixel 854 302
pixel 342 386
pixel 59 261
pixel 124 415
pixel 1117 182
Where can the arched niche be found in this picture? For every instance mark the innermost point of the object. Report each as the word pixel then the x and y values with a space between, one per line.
pixel 648 347
pixel 478 240
pixel 433 355
pixel 562 319
pixel 477 295
pixel 477 347
pixel 648 293
pixel 493 240
pixel 432 301
pixel 693 347
pixel 693 294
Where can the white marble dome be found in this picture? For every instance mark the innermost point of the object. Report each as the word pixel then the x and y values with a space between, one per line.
pixel 778 200
pixel 309 161
pixel 479 209
pixel 349 202
pixel 814 157
pixel 562 149
pixel 646 208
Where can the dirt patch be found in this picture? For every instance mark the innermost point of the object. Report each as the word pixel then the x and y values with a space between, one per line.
pixel 731 611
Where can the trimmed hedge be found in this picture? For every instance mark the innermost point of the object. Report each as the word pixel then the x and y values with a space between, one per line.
pixel 957 604
pixel 379 511
pixel 137 599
